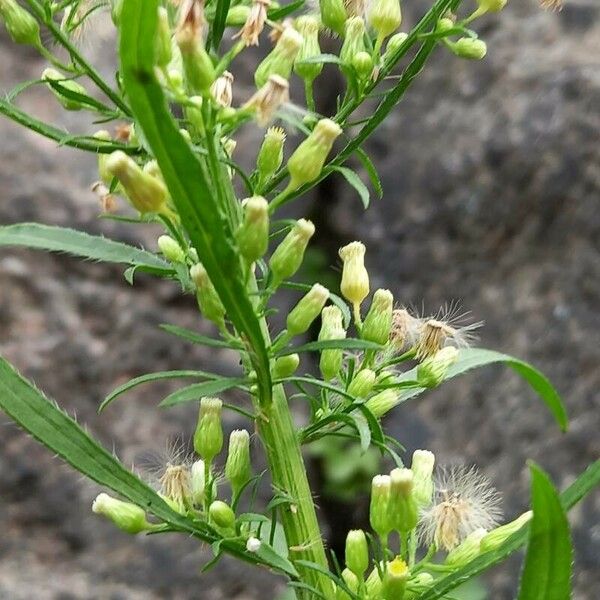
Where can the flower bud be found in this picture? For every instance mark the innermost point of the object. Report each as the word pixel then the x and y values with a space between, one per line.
pixel 171 250
pixel 374 585
pixel 470 48
pixel 395 579
pixel 379 511
pixel 238 469
pixel 378 322
pixel 193 114
pixel 307 310
pixel 285 366
pixel 362 383
pixel 163 51
pixel 355 279
pixel 433 370
pixel 333 15
pixel 467 550
pixel 495 538
pixel 146 193
pixel 208 300
pixel 418 584
pixel 21 26
pixel 402 509
pixel 198 482
pixel 332 328
pixel 357 552
pixel 208 437
pixel 253 234
pixel 281 59
pixel 266 101
pixel 125 515
pixel 197 64
pixel 354 40
pixel 105 175
pixel 222 89
pixel 270 155
pixel 306 163
pixel 237 15
pixel 491 5
pixel 288 256
pixel 68 85
pixel 351 580
pixel 309 29
pixel 393 44
pixel 422 465
pixel 385 17
pixel 253 544
pixel 221 515
pixel 363 64
pixel 382 403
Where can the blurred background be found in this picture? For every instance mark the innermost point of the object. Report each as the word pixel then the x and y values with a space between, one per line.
pixel 491 173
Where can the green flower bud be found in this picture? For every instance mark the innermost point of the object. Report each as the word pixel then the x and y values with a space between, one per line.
pixel 309 29
pixel 351 580
pixel 208 437
pixel 270 155
pixel 197 64
pixel 402 509
pixel 21 26
pixel 281 59
pixel 238 469
pixel 395 579
pixel 333 15
pixel 363 64
pixel 379 511
pixel 285 366
pixel 193 114
pixel 354 40
pixel 495 538
pixel 208 300
pixel 470 48
pixel 357 552
pixel 374 585
pixel 332 328
pixel 171 250
pixel 69 85
pixel 393 44
pixel 307 310
pixel 145 192
pixel 355 279
pixel 306 163
pixel 378 322
pixel 288 256
pixel 253 234
pixel 433 370
pixel 422 465
pixel 362 383
pixel 385 17
pixel 444 24
pixel 105 175
pixel 125 515
pixel 491 5
pixel 467 550
pixel 162 50
pixel 237 15
pixel 382 403
pixel 221 514
pixel 198 482
pixel 418 584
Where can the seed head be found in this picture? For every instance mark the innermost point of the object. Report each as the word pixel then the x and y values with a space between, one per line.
pixel 176 485
pixel 255 22
pixel 406 330
pixel 266 101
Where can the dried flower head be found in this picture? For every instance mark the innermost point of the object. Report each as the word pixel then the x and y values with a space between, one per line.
pixel 108 201
pixel 355 8
pixel 191 18
pixel 278 28
pixel 222 89
pixel 464 501
pixel 268 99
pixel 176 485
pixel 555 5
pixel 406 330
pixel 255 23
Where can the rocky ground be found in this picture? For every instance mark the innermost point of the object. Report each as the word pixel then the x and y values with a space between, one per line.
pixel 492 178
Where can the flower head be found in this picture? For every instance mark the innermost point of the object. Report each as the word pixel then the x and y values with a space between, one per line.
pixel 464 501
pixel 255 22
pixel 266 101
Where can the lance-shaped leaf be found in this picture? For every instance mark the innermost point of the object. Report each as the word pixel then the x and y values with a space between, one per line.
pixel 189 185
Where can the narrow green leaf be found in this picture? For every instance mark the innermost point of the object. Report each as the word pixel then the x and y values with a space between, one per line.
pixel 355 181
pixel 149 377
pixel 83 99
pixel 198 338
pixel 322 59
pixel 218 26
pixel 187 181
pixel 371 171
pixel 196 391
pixel 276 14
pixel 547 571
pixel 472 358
pixel 78 243
pixel 345 344
pixel 363 430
